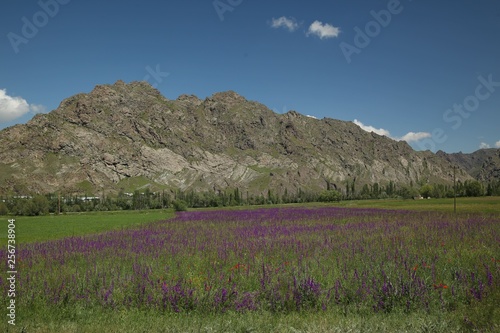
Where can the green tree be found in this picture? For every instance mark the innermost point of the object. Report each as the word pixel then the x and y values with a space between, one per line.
pixel 390 188
pixel 138 201
pixel 329 196
pixel 270 197
pixel 41 204
pixel 180 205
pixel 426 190
pixel 165 199
pixel 3 209
pixel 375 190
pixel 284 197
pixel 473 188
pixel 365 192
pixel 347 189
pixel 147 198
pixel 407 192
pixel 237 196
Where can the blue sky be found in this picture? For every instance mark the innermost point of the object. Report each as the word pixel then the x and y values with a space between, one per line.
pixel 410 69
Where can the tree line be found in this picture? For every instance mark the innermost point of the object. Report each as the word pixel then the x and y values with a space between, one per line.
pixel 181 200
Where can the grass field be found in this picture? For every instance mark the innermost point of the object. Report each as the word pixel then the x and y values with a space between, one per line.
pixel 41 228
pixel 50 227
pixel 295 268
pixel 464 205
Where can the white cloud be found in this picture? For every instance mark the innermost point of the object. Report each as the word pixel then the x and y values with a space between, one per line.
pixel 379 131
pixel 408 137
pixel 38 108
pixel 14 107
pixel 497 144
pixel 484 145
pixel 313 117
pixel 412 136
pixel 284 22
pixel 323 30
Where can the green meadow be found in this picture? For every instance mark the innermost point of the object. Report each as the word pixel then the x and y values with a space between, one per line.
pixel 463 205
pixel 50 227
pixel 42 228
pixel 461 313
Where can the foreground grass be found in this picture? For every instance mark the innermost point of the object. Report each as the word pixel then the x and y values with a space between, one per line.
pixel 134 321
pixel 42 228
pixel 478 316
pixel 136 280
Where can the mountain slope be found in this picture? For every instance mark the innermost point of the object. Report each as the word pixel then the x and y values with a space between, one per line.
pixel 483 164
pixel 128 136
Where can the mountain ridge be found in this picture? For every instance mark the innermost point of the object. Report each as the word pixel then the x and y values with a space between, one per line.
pixel 125 136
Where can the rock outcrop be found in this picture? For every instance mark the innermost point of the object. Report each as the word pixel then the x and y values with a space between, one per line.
pixel 127 136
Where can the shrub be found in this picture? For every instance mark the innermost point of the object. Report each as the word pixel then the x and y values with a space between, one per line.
pixel 3 209
pixel 329 196
pixel 180 205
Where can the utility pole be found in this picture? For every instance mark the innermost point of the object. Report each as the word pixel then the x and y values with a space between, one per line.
pixel 454 190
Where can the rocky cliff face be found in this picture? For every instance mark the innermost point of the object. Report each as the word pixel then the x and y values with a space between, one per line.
pixel 483 165
pixel 128 136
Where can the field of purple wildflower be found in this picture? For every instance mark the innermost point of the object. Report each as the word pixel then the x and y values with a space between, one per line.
pixel 278 260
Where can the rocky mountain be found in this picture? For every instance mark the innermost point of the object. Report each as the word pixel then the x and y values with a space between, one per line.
pixel 483 164
pixel 129 136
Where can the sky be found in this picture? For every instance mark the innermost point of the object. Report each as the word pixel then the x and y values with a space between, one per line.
pixel 427 72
